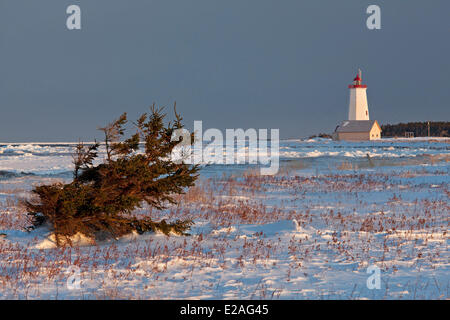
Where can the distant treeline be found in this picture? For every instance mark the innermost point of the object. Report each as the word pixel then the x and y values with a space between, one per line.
pixel 321 135
pixel 419 129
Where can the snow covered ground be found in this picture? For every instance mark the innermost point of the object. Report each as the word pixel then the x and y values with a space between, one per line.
pixel 309 232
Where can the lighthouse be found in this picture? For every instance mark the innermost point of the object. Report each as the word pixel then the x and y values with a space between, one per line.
pixel 358 127
pixel 357 107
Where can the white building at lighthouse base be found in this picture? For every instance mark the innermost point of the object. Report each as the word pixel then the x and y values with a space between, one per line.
pixel 357 130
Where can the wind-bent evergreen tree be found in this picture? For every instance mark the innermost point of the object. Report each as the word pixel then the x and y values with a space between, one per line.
pixel 135 171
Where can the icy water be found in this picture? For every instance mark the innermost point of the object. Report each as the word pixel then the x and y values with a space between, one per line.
pixel 314 155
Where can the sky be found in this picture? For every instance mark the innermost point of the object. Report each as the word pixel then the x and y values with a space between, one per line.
pixel 260 64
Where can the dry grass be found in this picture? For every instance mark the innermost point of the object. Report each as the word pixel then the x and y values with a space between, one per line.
pixel 347 227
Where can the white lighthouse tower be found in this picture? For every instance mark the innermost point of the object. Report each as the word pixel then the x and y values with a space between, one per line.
pixel 358 108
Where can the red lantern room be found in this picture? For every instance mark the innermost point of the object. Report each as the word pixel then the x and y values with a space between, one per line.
pixel 357 82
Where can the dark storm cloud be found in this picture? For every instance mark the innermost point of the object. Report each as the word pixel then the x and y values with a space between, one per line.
pixel 260 64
